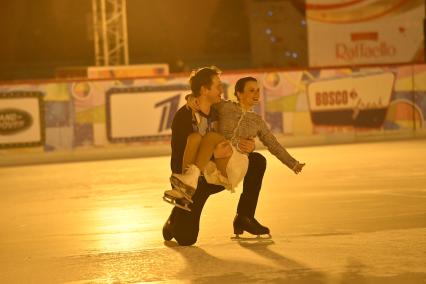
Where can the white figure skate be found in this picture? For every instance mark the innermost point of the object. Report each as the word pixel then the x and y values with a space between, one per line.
pixel 176 198
pixel 186 183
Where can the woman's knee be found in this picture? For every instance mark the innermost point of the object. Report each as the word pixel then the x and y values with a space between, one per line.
pixel 194 138
pixel 214 136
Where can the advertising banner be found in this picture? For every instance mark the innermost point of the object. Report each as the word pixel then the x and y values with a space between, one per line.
pixel 360 101
pixel 21 119
pixel 131 71
pixel 115 114
pixel 142 113
pixel 354 32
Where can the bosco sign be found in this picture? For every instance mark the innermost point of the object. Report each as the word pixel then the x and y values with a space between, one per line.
pixel 340 97
pixel 360 100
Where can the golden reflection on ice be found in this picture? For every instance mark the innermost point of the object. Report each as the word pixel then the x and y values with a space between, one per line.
pixel 119 228
pixel 353 216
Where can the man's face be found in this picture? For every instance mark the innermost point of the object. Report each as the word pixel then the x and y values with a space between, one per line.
pixel 215 92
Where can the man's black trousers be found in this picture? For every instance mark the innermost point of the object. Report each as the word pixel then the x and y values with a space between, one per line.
pixel 185 224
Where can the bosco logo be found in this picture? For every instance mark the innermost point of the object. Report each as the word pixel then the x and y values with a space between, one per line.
pixel 338 98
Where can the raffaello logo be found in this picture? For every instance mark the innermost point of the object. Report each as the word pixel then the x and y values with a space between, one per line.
pixel 357 51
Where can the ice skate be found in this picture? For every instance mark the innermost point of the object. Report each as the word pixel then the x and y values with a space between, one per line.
pixel 252 226
pixel 176 198
pixel 186 183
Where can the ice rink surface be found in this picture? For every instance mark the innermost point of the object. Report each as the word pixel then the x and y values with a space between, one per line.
pixel 357 214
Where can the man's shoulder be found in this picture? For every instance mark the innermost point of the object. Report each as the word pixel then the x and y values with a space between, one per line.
pixel 183 112
pixel 183 116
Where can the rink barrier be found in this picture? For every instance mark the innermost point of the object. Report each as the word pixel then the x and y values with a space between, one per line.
pixel 158 150
pixel 102 119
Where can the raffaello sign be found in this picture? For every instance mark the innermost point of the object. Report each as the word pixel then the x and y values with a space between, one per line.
pixel 364 51
pixel 364 32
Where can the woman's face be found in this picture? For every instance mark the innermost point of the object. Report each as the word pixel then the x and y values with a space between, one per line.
pixel 250 96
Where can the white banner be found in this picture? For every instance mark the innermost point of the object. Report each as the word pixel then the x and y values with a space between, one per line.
pixel 20 120
pixel 357 100
pixel 128 71
pixel 354 32
pixel 139 113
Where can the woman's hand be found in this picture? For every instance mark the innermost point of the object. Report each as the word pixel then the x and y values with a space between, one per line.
pixel 297 168
pixel 192 102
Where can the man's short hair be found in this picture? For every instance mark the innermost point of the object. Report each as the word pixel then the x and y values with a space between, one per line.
pixel 202 77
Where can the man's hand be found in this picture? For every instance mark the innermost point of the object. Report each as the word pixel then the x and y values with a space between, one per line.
pixel 246 145
pixel 222 150
pixel 298 167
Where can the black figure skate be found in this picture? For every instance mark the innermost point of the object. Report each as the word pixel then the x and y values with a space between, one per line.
pixel 177 198
pixel 250 225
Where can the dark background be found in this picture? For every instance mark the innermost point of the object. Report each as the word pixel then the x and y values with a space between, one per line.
pixel 38 37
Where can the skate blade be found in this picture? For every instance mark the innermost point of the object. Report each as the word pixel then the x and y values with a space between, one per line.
pixel 171 196
pixel 258 238
pixel 178 185
pixel 174 203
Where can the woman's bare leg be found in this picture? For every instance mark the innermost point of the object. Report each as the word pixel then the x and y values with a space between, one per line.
pixel 201 150
pixel 206 149
pixel 191 150
pixel 221 165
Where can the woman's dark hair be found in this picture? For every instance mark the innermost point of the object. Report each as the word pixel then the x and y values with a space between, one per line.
pixel 241 83
pixel 202 77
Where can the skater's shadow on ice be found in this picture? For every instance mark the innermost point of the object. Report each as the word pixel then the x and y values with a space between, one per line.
pixel 171 244
pixel 201 267
pixel 292 271
pixel 357 273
